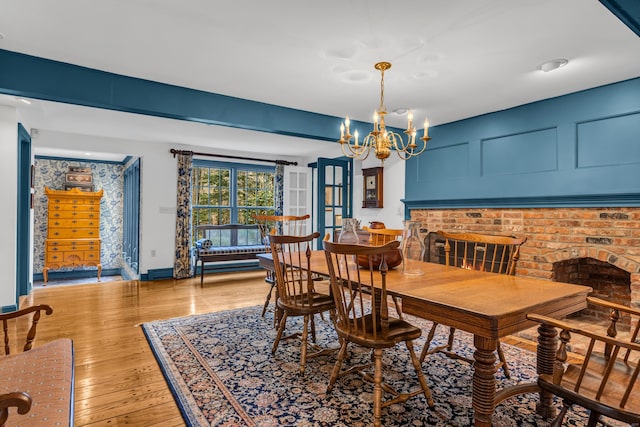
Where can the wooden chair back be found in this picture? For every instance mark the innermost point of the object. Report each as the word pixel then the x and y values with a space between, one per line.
pixel 495 254
pixel 617 312
pixel 381 236
pixel 605 383
pixel 351 286
pixel 278 224
pixel 294 279
pixel 31 333
pixel 290 225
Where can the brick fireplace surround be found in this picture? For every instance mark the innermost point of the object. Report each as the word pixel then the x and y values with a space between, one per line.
pixel 609 235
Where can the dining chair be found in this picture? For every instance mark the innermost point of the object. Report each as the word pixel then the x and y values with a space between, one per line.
pixel 381 236
pixel 494 254
pixel 362 319
pixel 297 295
pixel 605 381
pixel 290 225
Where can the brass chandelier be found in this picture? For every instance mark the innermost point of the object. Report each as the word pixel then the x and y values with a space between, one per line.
pixel 380 139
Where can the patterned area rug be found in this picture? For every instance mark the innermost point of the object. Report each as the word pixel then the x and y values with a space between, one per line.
pixel 221 372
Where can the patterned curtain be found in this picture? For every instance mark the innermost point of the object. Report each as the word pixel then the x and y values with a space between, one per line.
pixel 183 267
pixel 279 189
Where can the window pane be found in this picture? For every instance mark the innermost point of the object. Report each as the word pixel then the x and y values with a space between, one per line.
pixel 214 203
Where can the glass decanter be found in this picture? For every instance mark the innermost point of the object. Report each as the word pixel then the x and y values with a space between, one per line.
pixel 412 249
pixel 348 233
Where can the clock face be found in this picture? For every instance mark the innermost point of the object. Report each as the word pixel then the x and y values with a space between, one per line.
pixel 371 183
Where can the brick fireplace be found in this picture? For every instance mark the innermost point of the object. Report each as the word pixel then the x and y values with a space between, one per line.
pixel 598 247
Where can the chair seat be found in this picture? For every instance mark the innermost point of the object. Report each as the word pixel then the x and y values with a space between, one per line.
pixel 306 303
pixel 399 330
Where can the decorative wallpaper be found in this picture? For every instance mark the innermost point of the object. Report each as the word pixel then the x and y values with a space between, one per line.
pixel 107 176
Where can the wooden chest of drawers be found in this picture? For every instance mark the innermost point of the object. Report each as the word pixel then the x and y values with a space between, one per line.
pixel 73 233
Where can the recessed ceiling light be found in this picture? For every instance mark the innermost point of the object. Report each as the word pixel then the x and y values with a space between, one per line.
pixel 400 111
pixel 554 64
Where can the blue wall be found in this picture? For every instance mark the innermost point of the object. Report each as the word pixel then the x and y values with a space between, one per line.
pixel 581 149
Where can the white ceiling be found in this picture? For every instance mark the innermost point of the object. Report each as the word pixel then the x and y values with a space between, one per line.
pixel 451 59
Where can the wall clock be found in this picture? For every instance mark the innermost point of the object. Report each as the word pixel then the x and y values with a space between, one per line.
pixel 372 191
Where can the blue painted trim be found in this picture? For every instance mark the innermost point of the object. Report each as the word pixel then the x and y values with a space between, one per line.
pixel 76 274
pixel 598 200
pixel 40 78
pixel 159 273
pixel 23 223
pixel 74 159
pixel 9 308
pixel 628 11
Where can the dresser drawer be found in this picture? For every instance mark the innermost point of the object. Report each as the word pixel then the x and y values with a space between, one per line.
pixel 74 223
pixel 91 256
pixel 60 207
pixel 64 214
pixel 70 247
pixel 73 233
pixel 74 242
pixel 74 200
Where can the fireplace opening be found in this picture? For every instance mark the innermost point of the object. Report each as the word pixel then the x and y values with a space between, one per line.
pixel 608 282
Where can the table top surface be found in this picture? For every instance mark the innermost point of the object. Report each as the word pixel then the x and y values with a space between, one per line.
pixel 499 300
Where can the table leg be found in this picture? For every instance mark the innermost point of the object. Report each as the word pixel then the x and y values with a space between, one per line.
pixel 484 380
pixel 546 354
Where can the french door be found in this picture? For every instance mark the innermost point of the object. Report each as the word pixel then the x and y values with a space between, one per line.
pixel 333 195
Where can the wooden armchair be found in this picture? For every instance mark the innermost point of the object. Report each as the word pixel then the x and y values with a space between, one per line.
pixel 290 225
pixel 297 295
pixel 495 254
pixel 37 382
pixel 605 382
pixel 362 318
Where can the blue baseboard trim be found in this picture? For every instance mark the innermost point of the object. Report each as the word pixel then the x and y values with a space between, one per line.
pixel 157 274
pixel 225 267
pixel 9 308
pixel 76 274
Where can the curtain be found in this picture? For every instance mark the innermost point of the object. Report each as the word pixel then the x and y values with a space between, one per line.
pixel 183 268
pixel 279 189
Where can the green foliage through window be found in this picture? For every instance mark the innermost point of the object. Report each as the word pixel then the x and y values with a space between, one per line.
pixel 231 193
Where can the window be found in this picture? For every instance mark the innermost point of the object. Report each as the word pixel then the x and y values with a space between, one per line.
pixel 231 193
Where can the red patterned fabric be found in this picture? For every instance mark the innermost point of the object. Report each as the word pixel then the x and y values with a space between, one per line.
pixel 46 374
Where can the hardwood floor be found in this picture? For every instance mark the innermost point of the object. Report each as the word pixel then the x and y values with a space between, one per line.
pixel 118 381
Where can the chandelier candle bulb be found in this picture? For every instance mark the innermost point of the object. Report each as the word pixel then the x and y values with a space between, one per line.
pixel 426 127
pixel 410 120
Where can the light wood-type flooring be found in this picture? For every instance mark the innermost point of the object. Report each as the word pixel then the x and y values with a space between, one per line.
pixel 118 381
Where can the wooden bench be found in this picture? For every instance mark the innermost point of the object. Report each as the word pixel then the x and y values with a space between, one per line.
pixel 37 385
pixel 229 242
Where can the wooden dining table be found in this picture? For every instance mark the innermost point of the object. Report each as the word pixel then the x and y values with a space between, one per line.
pixel 490 306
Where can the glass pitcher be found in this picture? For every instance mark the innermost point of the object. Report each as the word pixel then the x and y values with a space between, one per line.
pixel 348 233
pixel 412 249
